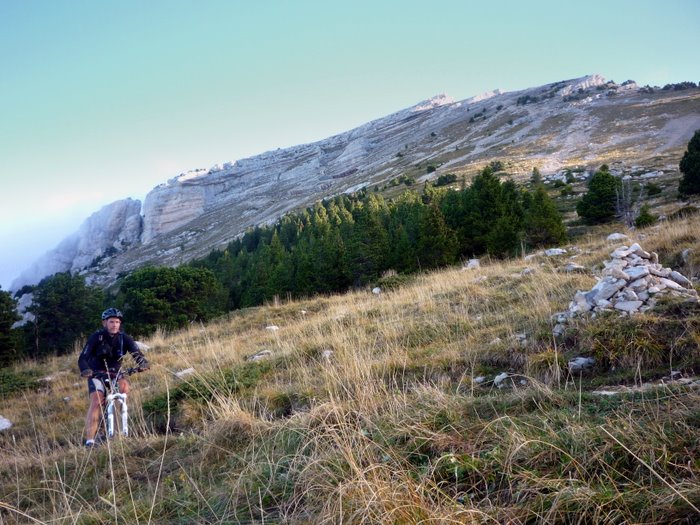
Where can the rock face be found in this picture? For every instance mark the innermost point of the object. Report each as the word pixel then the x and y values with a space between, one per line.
pixel 631 282
pixel 552 127
pixel 113 229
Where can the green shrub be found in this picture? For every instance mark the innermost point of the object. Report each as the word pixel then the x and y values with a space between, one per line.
pixel 393 281
pixel 645 217
pixel 200 390
pixel 12 382
pixel 683 213
pixel 653 189
pixel 652 340
pixel 444 180
pixel 567 190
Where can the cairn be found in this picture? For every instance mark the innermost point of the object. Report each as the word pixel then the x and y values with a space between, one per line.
pixel 632 281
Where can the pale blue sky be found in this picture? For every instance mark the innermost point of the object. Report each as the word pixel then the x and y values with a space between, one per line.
pixel 102 100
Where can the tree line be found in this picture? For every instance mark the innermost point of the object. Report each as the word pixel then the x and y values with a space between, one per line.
pixel 339 243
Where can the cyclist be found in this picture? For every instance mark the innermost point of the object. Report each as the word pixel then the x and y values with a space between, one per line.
pixel 103 353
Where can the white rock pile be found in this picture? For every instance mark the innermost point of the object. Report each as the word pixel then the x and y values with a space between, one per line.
pixel 632 281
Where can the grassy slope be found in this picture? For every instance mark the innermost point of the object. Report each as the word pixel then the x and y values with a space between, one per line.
pixel 390 426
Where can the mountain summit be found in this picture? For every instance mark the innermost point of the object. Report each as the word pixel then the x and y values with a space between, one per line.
pixel 582 122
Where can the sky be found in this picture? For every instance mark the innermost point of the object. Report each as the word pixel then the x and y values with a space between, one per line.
pixel 100 101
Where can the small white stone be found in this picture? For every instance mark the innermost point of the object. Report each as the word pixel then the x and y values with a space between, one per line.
pixel 185 372
pixel 551 252
pixel 263 354
pixel 499 380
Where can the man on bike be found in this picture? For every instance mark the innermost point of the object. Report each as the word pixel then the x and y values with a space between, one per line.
pixel 102 354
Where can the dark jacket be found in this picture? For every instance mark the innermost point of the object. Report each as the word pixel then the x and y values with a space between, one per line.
pixel 104 352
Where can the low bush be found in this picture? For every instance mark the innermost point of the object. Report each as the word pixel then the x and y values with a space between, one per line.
pixel 13 382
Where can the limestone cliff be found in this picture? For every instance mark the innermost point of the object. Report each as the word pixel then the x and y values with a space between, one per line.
pixel 581 123
pixel 107 232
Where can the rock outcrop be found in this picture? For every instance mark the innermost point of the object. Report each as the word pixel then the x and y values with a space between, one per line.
pixel 111 230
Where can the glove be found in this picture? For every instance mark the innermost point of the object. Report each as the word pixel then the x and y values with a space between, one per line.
pixel 86 373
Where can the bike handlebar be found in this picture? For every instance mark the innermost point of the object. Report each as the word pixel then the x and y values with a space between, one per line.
pixel 118 373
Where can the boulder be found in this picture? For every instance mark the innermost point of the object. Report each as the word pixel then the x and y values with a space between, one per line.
pixel 616 237
pixel 574 268
pixel 473 264
pixel 5 423
pixel 581 364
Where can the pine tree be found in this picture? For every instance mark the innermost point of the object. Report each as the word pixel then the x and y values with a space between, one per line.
pixel 598 205
pixel 543 223
pixel 64 309
pixel 437 243
pixel 9 346
pixel 369 244
pixel 280 268
pixel 483 206
pixel 690 167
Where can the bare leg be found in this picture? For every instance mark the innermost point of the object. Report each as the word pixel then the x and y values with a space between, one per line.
pixel 123 386
pixel 93 415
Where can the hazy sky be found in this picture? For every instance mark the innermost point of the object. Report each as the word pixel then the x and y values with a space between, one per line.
pixel 103 100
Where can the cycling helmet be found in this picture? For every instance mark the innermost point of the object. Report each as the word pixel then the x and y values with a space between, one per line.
pixel 112 312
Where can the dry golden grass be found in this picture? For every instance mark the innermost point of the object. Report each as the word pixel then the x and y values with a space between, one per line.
pixel 366 410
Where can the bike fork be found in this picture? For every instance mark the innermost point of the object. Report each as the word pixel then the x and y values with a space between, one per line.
pixel 112 400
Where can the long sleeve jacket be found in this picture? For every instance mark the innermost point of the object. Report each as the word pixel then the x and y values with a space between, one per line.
pixel 104 352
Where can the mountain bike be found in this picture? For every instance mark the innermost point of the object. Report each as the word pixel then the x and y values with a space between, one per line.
pixel 114 403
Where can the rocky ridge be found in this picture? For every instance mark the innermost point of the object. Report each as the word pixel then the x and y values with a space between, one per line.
pixel 580 122
pixel 114 228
